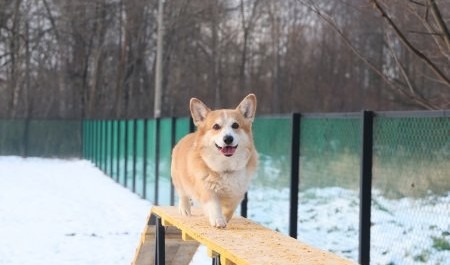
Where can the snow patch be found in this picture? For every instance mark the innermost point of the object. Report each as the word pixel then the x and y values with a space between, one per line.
pixel 55 211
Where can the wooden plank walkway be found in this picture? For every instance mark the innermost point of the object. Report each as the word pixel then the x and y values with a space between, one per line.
pixel 245 242
pixel 178 251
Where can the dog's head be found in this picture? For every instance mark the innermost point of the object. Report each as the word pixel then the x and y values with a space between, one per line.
pixel 225 132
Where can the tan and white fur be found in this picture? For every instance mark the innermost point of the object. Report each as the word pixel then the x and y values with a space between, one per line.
pixel 214 165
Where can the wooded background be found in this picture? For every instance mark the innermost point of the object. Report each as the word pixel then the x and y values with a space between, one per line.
pixel 96 58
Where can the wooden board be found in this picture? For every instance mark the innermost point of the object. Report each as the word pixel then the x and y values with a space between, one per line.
pixel 178 251
pixel 245 242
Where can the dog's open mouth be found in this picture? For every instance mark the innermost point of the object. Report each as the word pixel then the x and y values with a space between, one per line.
pixel 227 150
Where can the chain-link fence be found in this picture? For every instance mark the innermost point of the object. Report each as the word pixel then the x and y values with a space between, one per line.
pixel 411 189
pixel 272 137
pixel 409 197
pixel 328 204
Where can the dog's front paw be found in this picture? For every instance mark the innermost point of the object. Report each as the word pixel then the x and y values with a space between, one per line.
pixel 185 207
pixel 184 211
pixel 218 222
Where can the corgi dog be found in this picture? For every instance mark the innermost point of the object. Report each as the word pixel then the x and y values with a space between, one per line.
pixel 214 165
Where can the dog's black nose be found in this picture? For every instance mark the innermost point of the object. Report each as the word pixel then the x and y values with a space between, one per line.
pixel 228 139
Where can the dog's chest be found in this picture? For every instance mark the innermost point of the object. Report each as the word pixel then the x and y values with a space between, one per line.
pixel 229 184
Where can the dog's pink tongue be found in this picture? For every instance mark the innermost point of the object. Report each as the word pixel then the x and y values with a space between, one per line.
pixel 228 150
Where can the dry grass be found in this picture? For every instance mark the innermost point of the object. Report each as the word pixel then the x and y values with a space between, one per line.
pixel 411 177
pixel 399 176
pixel 395 178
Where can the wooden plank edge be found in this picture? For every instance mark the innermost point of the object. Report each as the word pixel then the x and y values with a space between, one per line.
pixel 143 237
pixel 225 261
pixel 189 234
pixel 186 237
pixel 164 222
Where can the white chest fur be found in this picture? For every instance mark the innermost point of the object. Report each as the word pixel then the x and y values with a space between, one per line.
pixel 229 184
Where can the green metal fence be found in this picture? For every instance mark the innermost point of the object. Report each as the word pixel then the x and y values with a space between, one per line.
pixel 136 153
pixel 410 154
pixel 321 204
pixel 44 138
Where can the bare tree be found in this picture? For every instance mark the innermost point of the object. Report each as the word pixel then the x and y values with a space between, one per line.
pixel 432 55
pixel 96 58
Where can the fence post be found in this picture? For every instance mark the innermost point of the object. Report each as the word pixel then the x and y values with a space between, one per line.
pixel 94 141
pixel 111 149
pixel 244 203
pixel 91 140
pixel 144 164
pixel 100 155
pixel 172 144
pixel 103 161
pixel 84 139
pixel 125 152
pixel 295 163
pixel 191 125
pixel 118 151
pixel 100 145
pixel 98 151
pixel 365 187
pixel 105 147
pixel 157 147
pixel 134 153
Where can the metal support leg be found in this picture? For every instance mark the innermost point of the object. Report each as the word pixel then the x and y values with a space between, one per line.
pixel 160 246
pixel 216 260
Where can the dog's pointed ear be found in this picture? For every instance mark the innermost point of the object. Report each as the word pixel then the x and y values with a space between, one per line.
pixel 198 111
pixel 248 107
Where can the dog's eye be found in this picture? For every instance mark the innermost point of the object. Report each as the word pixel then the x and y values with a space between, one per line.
pixel 235 125
pixel 216 127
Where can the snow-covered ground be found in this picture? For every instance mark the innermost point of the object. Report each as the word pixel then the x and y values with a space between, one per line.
pixel 68 212
pixel 404 232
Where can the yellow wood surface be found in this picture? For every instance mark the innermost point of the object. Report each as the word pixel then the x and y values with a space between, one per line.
pixel 178 252
pixel 245 242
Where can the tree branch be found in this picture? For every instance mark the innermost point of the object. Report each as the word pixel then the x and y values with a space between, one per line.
pixel 394 85
pixel 440 22
pixel 413 94
pixel 52 20
pixel 409 45
pixel 437 37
